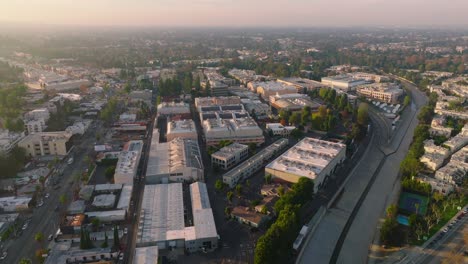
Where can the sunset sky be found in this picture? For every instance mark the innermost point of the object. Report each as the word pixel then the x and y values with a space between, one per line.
pixel 237 12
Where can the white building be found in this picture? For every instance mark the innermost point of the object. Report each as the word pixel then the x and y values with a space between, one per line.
pixel 8 140
pixel 459 141
pixel 383 92
pixel 438 127
pixel 343 82
pixel 14 204
pixel 279 130
pixel 312 158
pixel 437 185
pixel 302 85
pixel 292 102
pixel 267 89
pixel 62 86
pixel 35 125
pixel 162 219
pixel 212 101
pixel 170 109
pixel 256 107
pixel 181 129
pixel 456 170
pixel 242 130
pixel 79 127
pixel 146 255
pixel 253 164
pixel 127 165
pixel 46 143
pixel 230 155
pixel 176 161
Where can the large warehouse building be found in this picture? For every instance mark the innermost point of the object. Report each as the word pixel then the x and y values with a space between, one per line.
pixel 162 220
pixel 312 158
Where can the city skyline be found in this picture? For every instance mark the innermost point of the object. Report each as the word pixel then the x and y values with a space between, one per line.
pixel 241 13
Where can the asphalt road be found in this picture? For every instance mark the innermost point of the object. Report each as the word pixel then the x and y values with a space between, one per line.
pixel 361 231
pixel 45 219
pixel 378 167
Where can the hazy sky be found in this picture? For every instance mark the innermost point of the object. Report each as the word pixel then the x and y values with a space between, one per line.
pixel 237 12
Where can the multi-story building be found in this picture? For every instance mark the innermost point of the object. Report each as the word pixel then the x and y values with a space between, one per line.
pixel 171 109
pixel 434 155
pixel 277 129
pixel 256 108
pixel 46 143
pixel 176 161
pixel 35 125
pixel 312 158
pixel 61 86
pixel 127 165
pixel 218 88
pixel 162 221
pixel 343 82
pixel 302 85
pixel 141 96
pixel 184 128
pixel 8 140
pixel 383 92
pixel 238 129
pixel 267 89
pixel 456 170
pixel 243 76
pixel 292 102
pixel 459 141
pixel 214 101
pixel 438 127
pixel 253 164
pixel 228 156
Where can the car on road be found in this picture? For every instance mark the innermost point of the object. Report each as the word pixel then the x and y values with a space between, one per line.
pixel 4 255
pixel 47 195
pixel 41 203
pixel 50 237
pixel 121 257
pixel 445 230
pixel 25 226
pixel 125 231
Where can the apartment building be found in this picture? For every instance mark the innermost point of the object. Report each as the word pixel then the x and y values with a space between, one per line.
pixel 46 143
pixel 384 92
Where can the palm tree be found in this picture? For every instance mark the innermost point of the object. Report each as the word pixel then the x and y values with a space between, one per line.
pixel 39 237
pixel 62 199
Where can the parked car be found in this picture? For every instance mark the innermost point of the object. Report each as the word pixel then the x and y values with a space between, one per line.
pixel 47 195
pixel 25 226
pixel 4 255
pixel 445 230
pixel 50 237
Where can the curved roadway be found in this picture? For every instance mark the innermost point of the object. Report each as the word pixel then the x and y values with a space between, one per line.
pixel 347 229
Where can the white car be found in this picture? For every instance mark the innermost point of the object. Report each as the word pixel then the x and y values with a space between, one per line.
pixel 41 203
pixel 25 226
pixel 47 195
pixel 445 230
pixel 125 231
pixel 4 255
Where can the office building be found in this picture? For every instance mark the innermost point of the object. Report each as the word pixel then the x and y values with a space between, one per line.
pixel 242 130
pixel 181 129
pixel 312 158
pixel 343 82
pixel 389 93
pixel 267 89
pixel 292 102
pixel 173 108
pixel 253 164
pixel 213 101
pixel 302 85
pixel 228 156
pixel 46 143
pixel 278 129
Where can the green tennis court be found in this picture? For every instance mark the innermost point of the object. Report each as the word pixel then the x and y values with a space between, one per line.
pixel 410 201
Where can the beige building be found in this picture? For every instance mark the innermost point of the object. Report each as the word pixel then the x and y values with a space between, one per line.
pixel 383 92
pixel 181 129
pixel 312 158
pixel 267 89
pixel 127 165
pixel 46 143
pixel 229 156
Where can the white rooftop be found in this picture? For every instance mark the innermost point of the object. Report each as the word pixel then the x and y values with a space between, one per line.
pixel 307 158
pixel 146 255
pixel 230 150
pixel 162 210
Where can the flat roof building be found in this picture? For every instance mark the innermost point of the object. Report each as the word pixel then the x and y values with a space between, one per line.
pixel 146 255
pixel 277 129
pixel 171 109
pixel 312 158
pixel 383 92
pixel 293 102
pixel 228 156
pixel 302 85
pixel 267 89
pixel 241 130
pixel 343 82
pixel 176 161
pixel 162 221
pixel 127 165
pixel 253 164
pixel 46 143
pixel 184 128
pixel 220 100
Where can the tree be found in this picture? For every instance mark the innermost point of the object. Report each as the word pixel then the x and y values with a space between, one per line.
pixel 407 100
pixel 436 213
pixel 227 211
pixel 247 183
pixel 268 178
pixel 82 239
pixel 437 196
pixel 42 180
pixel 392 211
pixel 297 134
pixel 62 199
pixel 110 171
pixel 252 148
pixel 264 210
pixel 229 196
pixel 116 238
pixel 105 244
pixel 295 118
pixel 39 237
pixel 238 189
pixel 95 222
pixel 219 185
pixel 25 261
pixel 363 114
